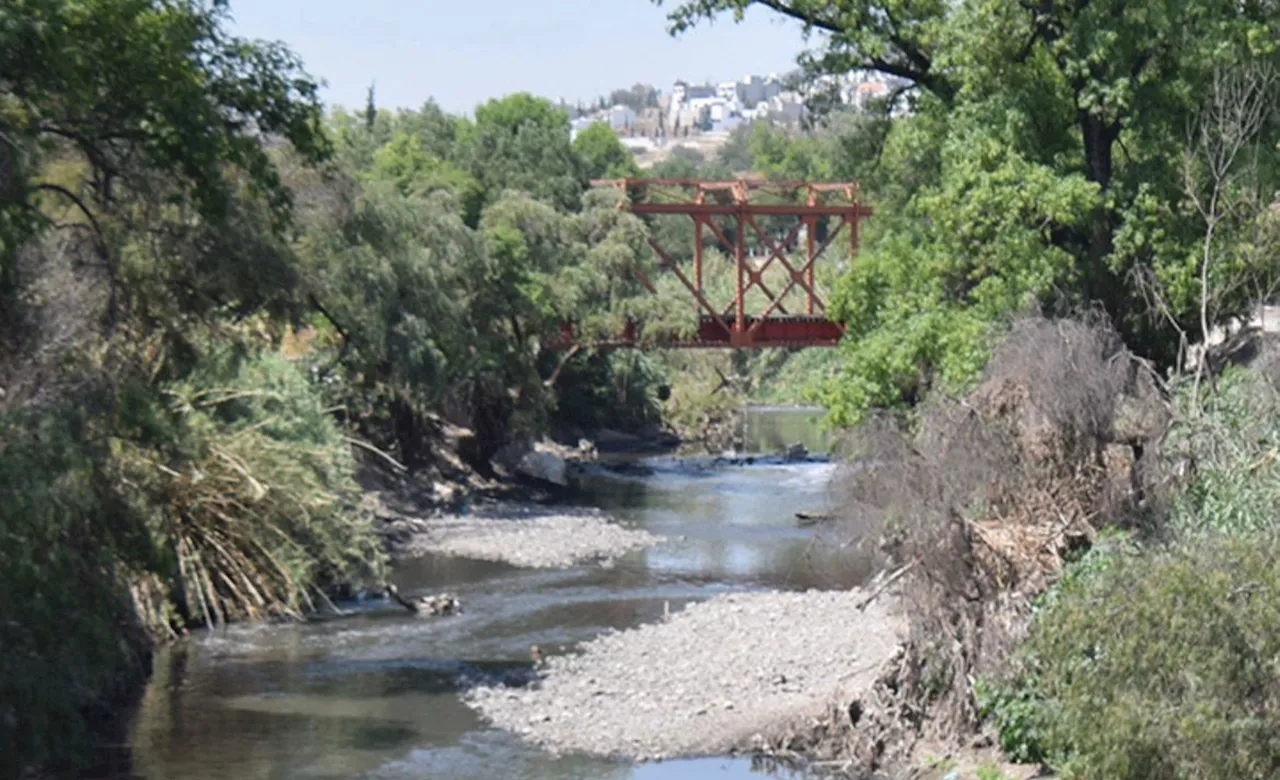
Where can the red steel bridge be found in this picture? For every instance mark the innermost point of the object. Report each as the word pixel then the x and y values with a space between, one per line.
pixel 731 211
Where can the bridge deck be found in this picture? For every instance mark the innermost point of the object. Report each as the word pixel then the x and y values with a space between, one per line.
pixel 719 332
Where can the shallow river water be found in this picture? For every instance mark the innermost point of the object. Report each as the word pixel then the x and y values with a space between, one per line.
pixel 376 695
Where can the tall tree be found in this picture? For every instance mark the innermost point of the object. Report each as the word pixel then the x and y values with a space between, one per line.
pixel 1041 164
pixel 603 154
pixel 521 142
pixel 370 107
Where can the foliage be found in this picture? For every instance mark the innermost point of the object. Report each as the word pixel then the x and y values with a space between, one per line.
pixel 1169 640
pixel 153 102
pixel 405 161
pixel 70 637
pixel 1234 440
pixel 1172 649
pixel 982 499
pixel 1016 712
pixel 520 142
pixel 1041 159
pixel 141 211
pixel 428 297
pixel 249 484
pixel 604 155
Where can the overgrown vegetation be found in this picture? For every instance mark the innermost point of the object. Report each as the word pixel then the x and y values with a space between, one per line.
pixel 1168 640
pixel 1105 163
pixel 1063 156
pixel 211 292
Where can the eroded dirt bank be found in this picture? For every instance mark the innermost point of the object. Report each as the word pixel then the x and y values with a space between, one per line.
pixel 707 680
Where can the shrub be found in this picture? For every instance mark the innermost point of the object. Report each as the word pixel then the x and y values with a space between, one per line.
pixel 1229 451
pixel 70 643
pixel 250 490
pixel 227 494
pixel 988 494
pixel 1163 664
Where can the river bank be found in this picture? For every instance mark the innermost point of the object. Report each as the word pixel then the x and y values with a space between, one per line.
pixel 389 690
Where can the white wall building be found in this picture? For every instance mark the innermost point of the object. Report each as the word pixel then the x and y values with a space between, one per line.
pixel 620 117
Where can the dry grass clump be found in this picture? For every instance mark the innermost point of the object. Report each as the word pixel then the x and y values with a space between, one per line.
pixel 250 486
pixel 982 497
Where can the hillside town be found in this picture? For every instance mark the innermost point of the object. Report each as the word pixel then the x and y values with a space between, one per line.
pixel 649 121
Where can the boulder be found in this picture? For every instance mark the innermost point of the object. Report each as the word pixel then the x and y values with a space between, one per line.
pixel 544 465
pixel 796 451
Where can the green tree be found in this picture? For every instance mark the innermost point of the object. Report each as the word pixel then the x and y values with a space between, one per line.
pixel 147 108
pixel 405 161
pixel 521 142
pixel 143 239
pixel 603 154
pixel 1090 102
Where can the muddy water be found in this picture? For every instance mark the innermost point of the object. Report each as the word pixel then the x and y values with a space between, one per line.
pixel 375 695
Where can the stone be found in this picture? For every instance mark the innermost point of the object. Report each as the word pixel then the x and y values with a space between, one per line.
pixel 796 451
pixel 546 466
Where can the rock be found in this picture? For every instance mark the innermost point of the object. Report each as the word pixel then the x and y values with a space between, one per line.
pixel 796 451
pixel 544 465
pixel 610 436
pixel 510 455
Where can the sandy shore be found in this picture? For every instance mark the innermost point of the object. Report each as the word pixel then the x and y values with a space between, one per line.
pixel 705 681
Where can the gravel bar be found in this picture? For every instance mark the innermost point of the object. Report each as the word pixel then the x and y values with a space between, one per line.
pixel 524 537
pixel 704 681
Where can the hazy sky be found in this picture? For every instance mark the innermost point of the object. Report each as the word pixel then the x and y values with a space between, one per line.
pixel 462 52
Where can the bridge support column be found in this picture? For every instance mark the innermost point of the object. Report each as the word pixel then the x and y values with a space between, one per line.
pixel 697 252
pixel 740 260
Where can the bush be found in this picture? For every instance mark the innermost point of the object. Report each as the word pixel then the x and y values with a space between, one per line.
pixel 1162 664
pixel 989 494
pixel 223 495
pixel 70 643
pixel 251 491
pixel 1229 451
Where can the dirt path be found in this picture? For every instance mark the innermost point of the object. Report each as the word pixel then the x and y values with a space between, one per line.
pixel 704 681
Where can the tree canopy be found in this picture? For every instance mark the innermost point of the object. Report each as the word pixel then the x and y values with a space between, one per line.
pixel 1049 158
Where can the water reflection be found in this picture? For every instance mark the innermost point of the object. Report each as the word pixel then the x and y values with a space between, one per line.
pixel 772 429
pixel 375 695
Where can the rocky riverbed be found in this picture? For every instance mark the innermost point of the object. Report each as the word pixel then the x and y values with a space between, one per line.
pixel 518 534
pixel 707 679
pixel 528 536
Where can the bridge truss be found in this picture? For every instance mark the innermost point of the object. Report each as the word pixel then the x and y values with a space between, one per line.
pixel 739 205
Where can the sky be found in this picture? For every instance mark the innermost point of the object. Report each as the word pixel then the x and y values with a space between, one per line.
pixel 463 52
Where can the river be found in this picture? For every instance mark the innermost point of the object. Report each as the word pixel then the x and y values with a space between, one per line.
pixel 375 695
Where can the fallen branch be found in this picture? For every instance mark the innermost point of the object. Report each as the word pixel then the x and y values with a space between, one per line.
pixel 811 518
pixel 369 447
pixel 885 585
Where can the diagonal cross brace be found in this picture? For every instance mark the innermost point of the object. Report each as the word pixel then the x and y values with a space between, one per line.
pixel 797 277
pixel 697 294
pixel 756 277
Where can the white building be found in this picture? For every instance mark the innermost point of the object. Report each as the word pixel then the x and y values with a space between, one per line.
pixel 620 117
pixel 578 125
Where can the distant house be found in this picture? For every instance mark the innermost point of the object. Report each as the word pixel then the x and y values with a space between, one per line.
pixel 620 117
pixel 580 124
pixel 682 91
pixel 786 106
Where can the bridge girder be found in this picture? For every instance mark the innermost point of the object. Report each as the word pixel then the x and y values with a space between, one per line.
pixel 743 200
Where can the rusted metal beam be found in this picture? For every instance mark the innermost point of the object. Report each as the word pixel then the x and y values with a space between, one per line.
pixel 759 209
pixel 713 334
